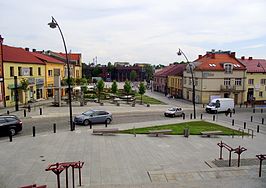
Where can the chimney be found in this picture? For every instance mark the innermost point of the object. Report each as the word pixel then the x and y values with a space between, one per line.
pixel 33 50
pixel 250 58
pixel 200 56
pixel 27 49
pixel 233 54
pixel 243 58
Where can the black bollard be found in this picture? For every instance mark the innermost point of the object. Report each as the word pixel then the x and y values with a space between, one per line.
pixel 261 110
pixel 201 116
pixel 245 125
pixel 106 123
pixel 203 105
pixel 246 105
pixel 73 126
pixel 251 118
pixel 262 121
pixel 33 131
pixel 184 116
pixel 90 124
pixel 25 113
pixel 7 112
pixel 54 127
pixel 233 122
pixel 40 111
pixel 10 136
pixel 254 110
pixel 29 108
pixel 240 105
pixel 190 116
pixel 230 114
pixel 213 117
pixel 258 128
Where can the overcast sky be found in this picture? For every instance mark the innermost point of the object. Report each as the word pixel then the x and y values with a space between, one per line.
pixel 137 30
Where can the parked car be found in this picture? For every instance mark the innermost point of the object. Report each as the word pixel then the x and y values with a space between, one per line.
pixel 173 112
pixel 10 124
pixel 93 116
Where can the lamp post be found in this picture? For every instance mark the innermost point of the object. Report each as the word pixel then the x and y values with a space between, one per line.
pixel 2 89
pixel 53 25
pixel 180 52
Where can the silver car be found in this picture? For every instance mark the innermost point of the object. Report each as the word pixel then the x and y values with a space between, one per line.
pixel 174 111
pixel 93 116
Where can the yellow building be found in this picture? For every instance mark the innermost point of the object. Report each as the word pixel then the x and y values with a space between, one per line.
pixel 175 86
pixel 256 80
pixel 20 63
pixel 52 67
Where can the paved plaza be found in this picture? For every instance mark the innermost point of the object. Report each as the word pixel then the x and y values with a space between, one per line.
pixel 123 160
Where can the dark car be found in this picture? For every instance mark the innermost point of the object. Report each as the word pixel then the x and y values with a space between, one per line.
pixel 10 124
pixel 93 116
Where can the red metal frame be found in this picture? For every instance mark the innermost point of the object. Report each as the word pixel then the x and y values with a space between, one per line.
pixel 261 157
pixel 57 168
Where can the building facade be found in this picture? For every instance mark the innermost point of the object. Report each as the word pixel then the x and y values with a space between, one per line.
pixel 256 80
pixel 216 74
pixel 20 63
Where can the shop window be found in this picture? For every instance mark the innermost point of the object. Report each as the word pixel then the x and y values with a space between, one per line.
pixel 11 71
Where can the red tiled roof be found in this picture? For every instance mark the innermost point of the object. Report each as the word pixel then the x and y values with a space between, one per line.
pixel 214 61
pixel 46 58
pixel 172 70
pixel 72 56
pixel 254 65
pixel 19 55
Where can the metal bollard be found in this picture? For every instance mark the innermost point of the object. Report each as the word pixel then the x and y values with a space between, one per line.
pixel 246 105
pixel 54 127
pixel 33 131
pixel 106 123
pixel 258 128
pixel 254 110
pixel 25 113
pixel 73 126
pixel 184 116
pixel 245 125
pixel 251 118
pixel 90 124
pixel 262 121
pixel 190 116
pixel 10 136
pixel 233 122
pixel 201 116
pixel 230 114
pixel 240 105
pixel 213 118
pixel 40 111
pixel 203 105
pixel 261 110
pixel 7 112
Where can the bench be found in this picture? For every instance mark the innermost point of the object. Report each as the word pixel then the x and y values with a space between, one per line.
pixel 209 133
pixel 105 131
pixel 159 132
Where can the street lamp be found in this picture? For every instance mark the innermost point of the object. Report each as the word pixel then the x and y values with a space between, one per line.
pixel 53 25
pixel 180 52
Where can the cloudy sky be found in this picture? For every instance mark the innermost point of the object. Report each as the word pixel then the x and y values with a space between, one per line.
pixel 137 30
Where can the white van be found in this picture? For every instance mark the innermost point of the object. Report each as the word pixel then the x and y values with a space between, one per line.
pixel 221 105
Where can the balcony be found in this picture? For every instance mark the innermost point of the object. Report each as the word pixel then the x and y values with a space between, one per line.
pixel 231 88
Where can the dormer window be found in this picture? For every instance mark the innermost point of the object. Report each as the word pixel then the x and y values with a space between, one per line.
pixel 228 68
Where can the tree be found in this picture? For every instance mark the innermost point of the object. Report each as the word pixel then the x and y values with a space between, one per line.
pixel 142 90
pixel 24 86
pixel 96 71
pixel 127 88
pixel 133 75
pixel 64 82
pixel 114 87
pixel 100 87
pixel 149 72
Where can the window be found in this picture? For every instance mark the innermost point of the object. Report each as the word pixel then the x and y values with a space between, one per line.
pixel 263 81
pixel 11 71
pixel 227 81
pixel 228 68
pixel 196 81
pixel 185 80
pixel 39 71
pixel 250 81
pixel 77 73
pixel 50 73
pixel 190 81
pixel 238 81
pixel 260 94
pixel 19 71
pixel 31 73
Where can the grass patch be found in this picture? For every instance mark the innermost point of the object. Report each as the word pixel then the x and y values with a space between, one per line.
pixel 195 128
pixel 148 100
